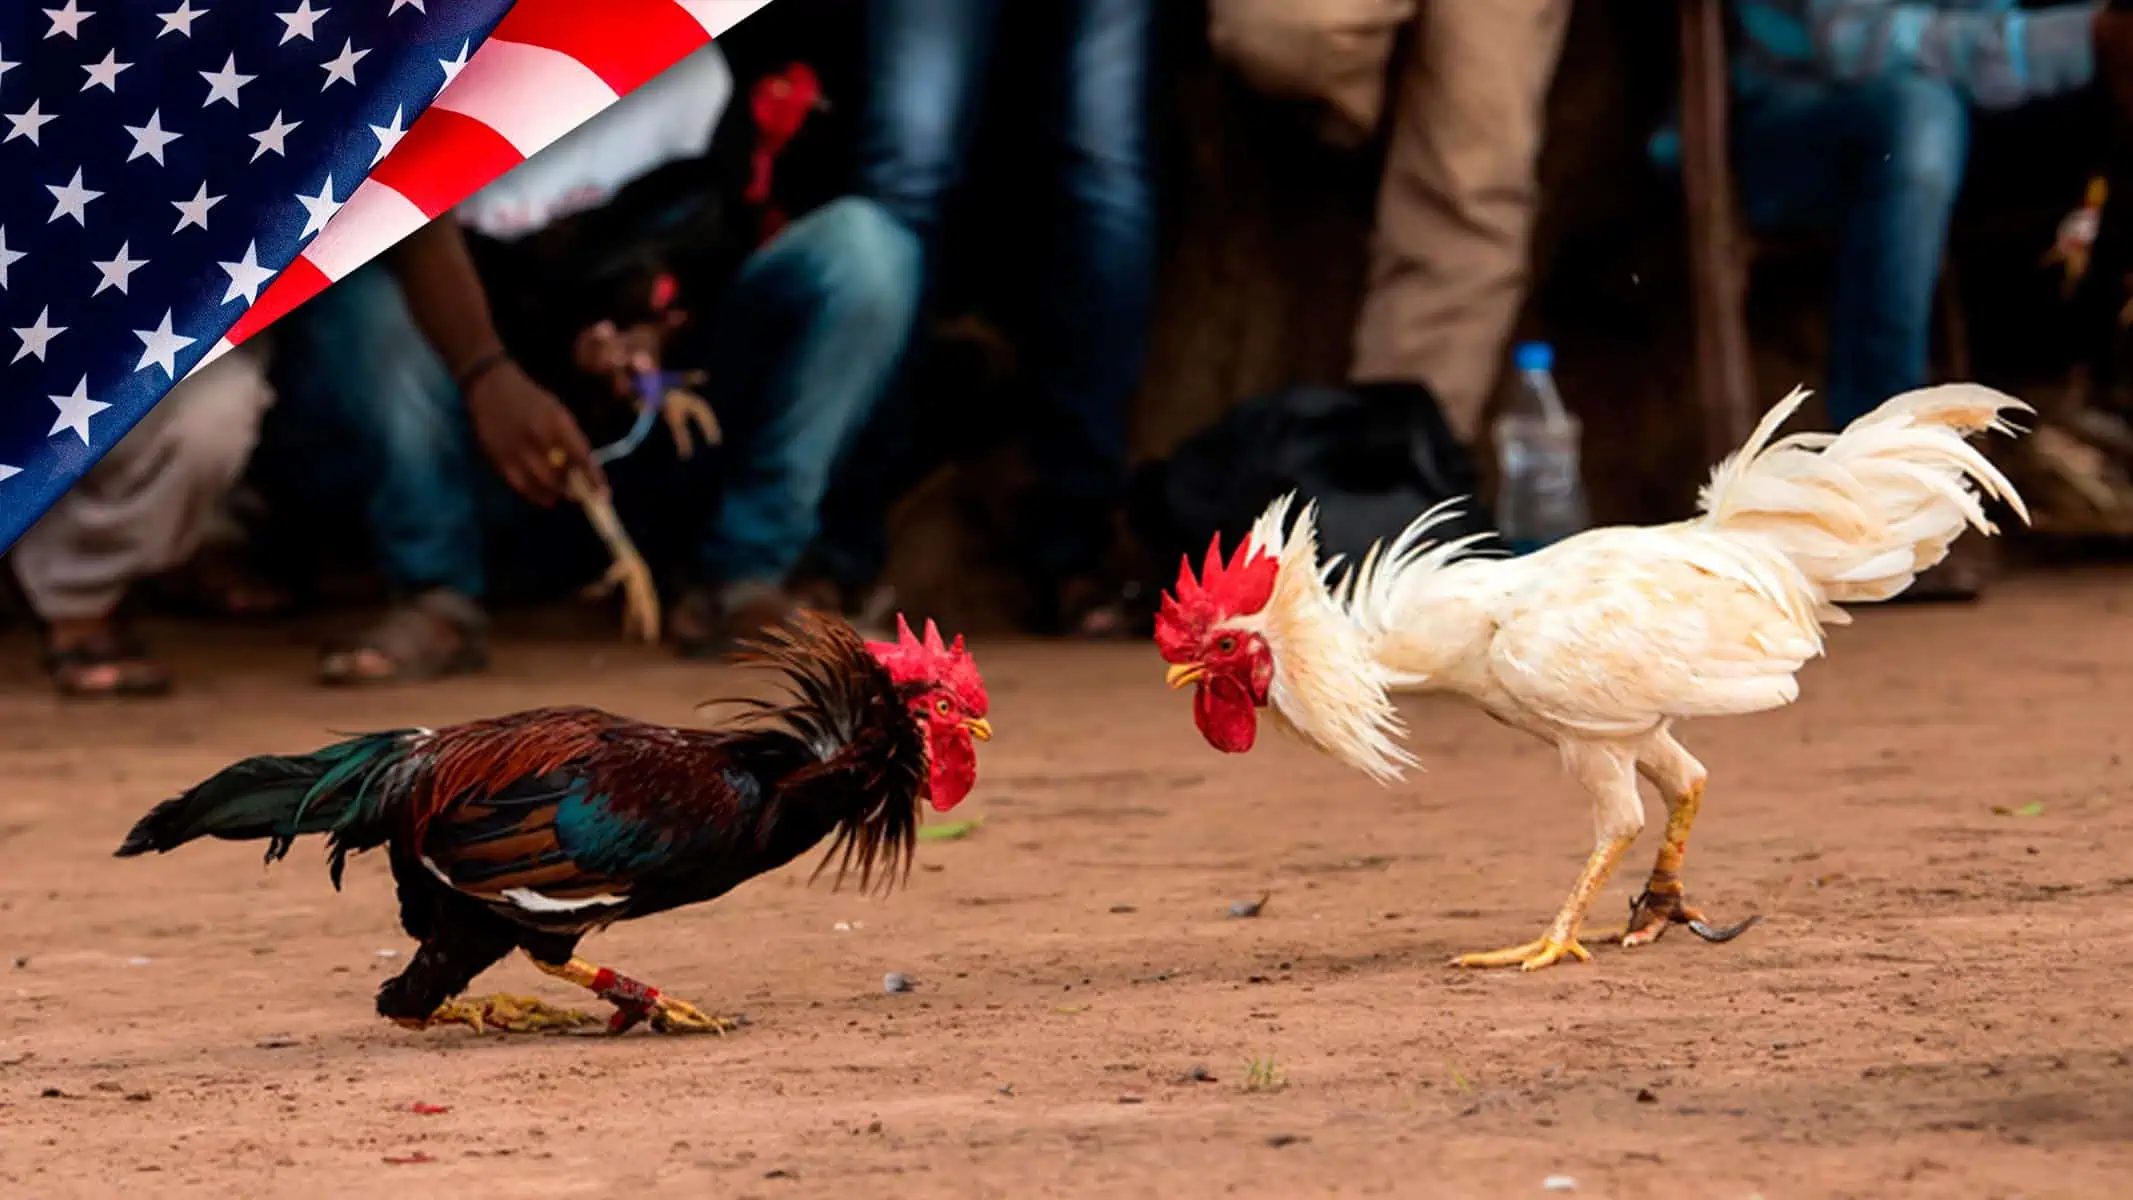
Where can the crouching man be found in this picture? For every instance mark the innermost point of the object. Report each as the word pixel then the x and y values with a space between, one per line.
pixel 141 511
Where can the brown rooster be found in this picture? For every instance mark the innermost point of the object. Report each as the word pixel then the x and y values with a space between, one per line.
pixel 531 830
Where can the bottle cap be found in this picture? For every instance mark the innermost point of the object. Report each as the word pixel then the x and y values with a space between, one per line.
pixel 1534 356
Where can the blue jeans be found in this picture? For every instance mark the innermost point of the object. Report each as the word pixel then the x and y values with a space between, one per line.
pixel 1881 162
pixel 805 342
pixel 926 68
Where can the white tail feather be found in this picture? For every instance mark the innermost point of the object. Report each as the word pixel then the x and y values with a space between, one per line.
pixel 1865 511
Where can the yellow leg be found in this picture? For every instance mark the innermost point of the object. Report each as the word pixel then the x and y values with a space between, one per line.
pixel 1662 903
pixel 1561 940
pixel 635 1001
pixel 505 1014
pixel 628 572
pixel 684 409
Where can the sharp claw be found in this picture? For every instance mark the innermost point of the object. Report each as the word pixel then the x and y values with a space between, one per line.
pixel 1710 933
pixel 1643 931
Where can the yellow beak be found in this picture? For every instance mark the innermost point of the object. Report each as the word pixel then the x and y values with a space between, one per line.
pixel 1184 673
pixel 979 728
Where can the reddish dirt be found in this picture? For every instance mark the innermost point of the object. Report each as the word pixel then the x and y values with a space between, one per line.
pixel 1936 1005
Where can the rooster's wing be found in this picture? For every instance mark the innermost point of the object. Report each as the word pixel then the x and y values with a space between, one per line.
pixel 589 841
pixel 1621 630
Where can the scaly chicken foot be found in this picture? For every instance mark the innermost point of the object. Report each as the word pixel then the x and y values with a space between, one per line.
pixel 1658 907
pixel 1664 901
pixel 1664 904
pixel 640 595
pixel 629 572
pixel 684 409
pixel 1653 911
pixel 1561 939
pixel 1543 951
pixel 636 1001
pixel 504 1013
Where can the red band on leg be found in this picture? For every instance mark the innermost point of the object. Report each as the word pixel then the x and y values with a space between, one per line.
pixel 622 990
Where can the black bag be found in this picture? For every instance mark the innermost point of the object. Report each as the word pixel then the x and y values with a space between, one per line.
pixel 1374 457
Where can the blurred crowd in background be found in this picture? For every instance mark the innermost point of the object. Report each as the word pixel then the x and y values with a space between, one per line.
pixel 720 310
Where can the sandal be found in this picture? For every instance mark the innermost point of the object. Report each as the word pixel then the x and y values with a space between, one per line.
pixel 435 634
pixel 115 664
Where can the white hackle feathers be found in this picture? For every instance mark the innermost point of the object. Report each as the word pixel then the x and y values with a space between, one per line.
pixel 1371 591
pixel 1326 687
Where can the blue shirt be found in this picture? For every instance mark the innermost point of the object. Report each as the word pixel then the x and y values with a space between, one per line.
pixel 2000 55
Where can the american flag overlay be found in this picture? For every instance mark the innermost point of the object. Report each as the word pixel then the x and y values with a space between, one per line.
pixel 177 174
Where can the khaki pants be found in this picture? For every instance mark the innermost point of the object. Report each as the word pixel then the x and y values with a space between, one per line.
pixel 146 505
pixel 1448 263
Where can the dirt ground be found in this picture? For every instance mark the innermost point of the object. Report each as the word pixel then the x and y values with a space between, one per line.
pixel 1936 1005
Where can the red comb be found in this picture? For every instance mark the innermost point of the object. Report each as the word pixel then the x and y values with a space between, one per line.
pixel 780 104
pixel 911 659
pixel 1238 588
pixel 663 290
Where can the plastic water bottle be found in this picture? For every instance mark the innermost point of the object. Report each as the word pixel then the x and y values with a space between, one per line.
pixel 1540 495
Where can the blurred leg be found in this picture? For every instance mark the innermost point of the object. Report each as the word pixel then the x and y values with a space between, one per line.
pixel 926 67
pixel 378 393
pixel 374 380
pixel 1880 162
pixel 1337 54
pixel 1092 333
pixel 926 63
pixel 1448 266
pixel 810 336
pixel 142 510
pixel 1915 143
pixel 146 504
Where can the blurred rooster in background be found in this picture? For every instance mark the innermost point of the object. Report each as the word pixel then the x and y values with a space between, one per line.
pixel 531 830
pixel 1600 642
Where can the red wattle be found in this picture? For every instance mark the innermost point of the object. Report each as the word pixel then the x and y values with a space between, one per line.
pixel 954 769
pixel 1225 715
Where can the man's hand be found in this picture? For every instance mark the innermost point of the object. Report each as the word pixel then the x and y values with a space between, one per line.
pixel 522 427
pixel 619 354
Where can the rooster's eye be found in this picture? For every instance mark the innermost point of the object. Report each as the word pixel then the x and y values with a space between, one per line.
pixel 1227 645
pixel 942 706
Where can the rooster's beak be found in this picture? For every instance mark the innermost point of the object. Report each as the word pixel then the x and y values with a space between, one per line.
pixel 1184 673
pixel 979 728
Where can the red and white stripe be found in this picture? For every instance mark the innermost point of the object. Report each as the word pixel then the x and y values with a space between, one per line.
pixel 549 67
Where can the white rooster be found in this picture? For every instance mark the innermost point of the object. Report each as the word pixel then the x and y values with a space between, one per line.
pixel 1600 642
